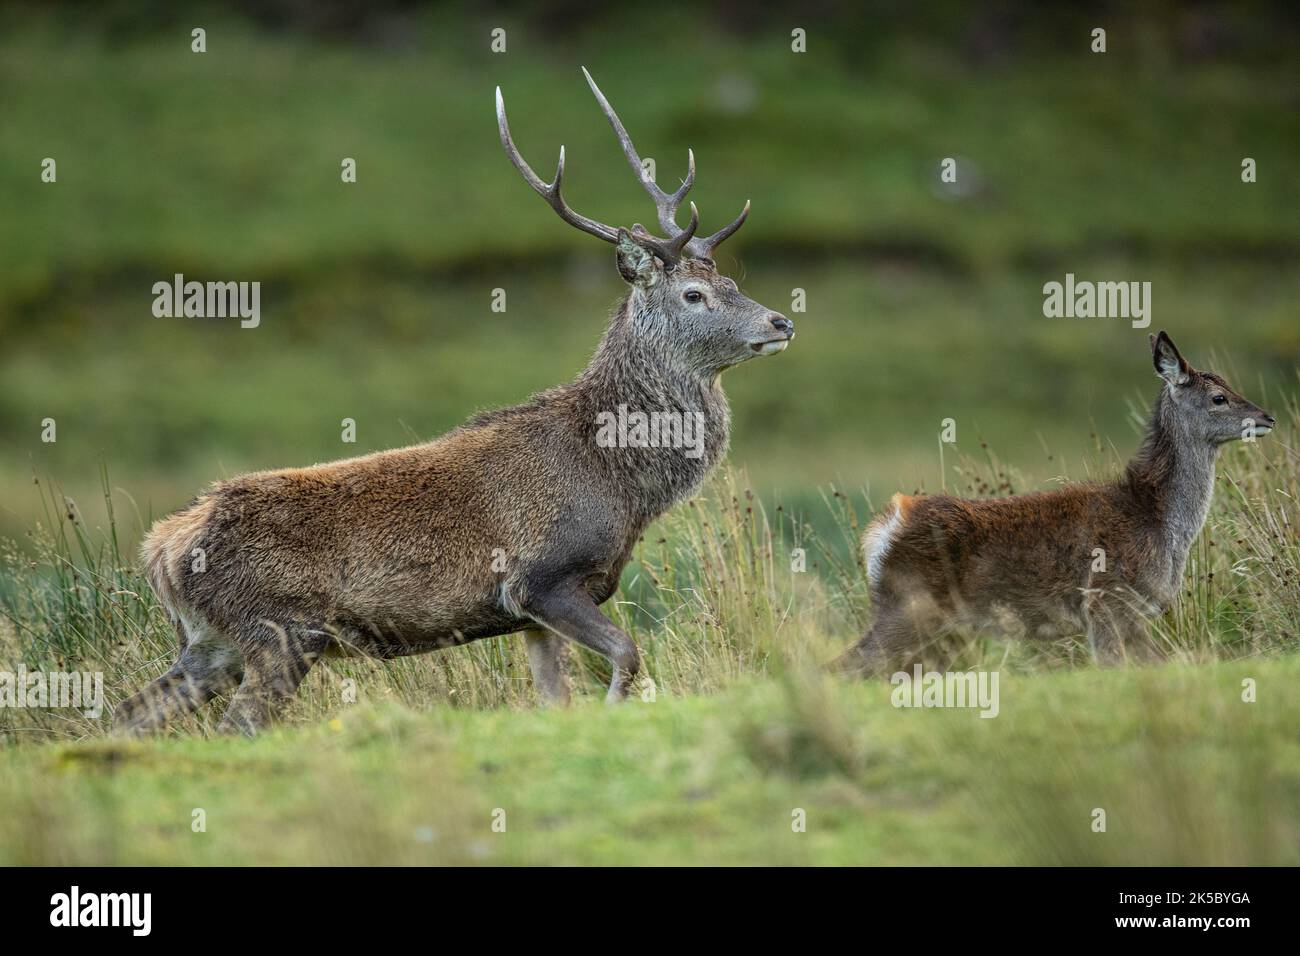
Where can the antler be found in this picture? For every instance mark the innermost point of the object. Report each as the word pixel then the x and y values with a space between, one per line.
pixel 549 191
pixel 666 204
pixel 679 240
pixel 671 251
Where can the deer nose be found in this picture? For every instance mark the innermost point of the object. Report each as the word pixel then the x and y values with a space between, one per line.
pixel 781 323
pixel 1269 420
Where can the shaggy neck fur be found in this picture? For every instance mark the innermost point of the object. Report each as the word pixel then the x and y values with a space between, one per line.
pixel 637 365
pixel 1171 479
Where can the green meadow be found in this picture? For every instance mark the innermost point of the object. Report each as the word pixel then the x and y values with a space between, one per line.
pixel 914 302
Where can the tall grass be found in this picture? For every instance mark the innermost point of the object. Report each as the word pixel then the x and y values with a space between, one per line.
pixel 711 596
pixel 722 589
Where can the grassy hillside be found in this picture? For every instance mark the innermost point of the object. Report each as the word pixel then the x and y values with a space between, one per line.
pixel 923 302
pixel 883 355
pixel 733 729
pixel 231 158
pixel 1186 772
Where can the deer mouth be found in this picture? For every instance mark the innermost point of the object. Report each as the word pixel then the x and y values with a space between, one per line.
pixel 771 346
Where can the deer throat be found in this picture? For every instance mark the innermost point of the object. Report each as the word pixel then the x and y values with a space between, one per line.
pixel 1188 495
pixel 1172 478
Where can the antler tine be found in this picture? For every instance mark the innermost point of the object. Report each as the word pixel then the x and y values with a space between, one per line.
pixel 549 191
pixel 666 204
pixel 703 248
pixel 669 251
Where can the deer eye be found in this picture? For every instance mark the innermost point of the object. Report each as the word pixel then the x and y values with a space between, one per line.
pixel 1220 399
pixel 692 296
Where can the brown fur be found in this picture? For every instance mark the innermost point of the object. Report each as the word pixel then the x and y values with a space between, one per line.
pixel 519 520
pixel 1030 561
pixel 168 547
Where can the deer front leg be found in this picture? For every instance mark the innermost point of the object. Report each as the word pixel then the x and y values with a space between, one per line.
pixel 204 670
pixel 548 655
pixel 1110 626
pixel 570 612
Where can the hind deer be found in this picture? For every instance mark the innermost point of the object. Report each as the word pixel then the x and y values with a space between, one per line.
pixel 1088 558
pixel 519 520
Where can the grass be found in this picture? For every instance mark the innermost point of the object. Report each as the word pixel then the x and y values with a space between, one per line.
pixel 1186 771
pixel 734 728
pixel 922 304
pixel 836 147
pixel 884 354
pixel 376 295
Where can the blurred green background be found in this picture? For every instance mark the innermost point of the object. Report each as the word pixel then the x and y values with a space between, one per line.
pixel 923 302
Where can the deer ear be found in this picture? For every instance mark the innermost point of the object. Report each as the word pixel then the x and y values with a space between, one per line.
pixel 636 263
pixel 1170 364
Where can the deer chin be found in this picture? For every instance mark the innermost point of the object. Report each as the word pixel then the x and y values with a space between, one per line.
pixel 1255 431
pixel 770 347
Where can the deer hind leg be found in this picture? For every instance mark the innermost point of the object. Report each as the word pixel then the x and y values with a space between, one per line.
pixel 548 655
pixel 209 664
pixel 893 642
pixel 276 660
pixel 571 613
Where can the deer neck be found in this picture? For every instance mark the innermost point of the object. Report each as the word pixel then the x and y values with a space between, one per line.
pixel 1172 479
pixel 632 372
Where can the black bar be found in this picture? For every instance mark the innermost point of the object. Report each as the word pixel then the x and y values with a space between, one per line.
pixel 336 905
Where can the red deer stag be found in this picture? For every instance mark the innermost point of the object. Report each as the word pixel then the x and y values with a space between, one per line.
pixel 519 520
